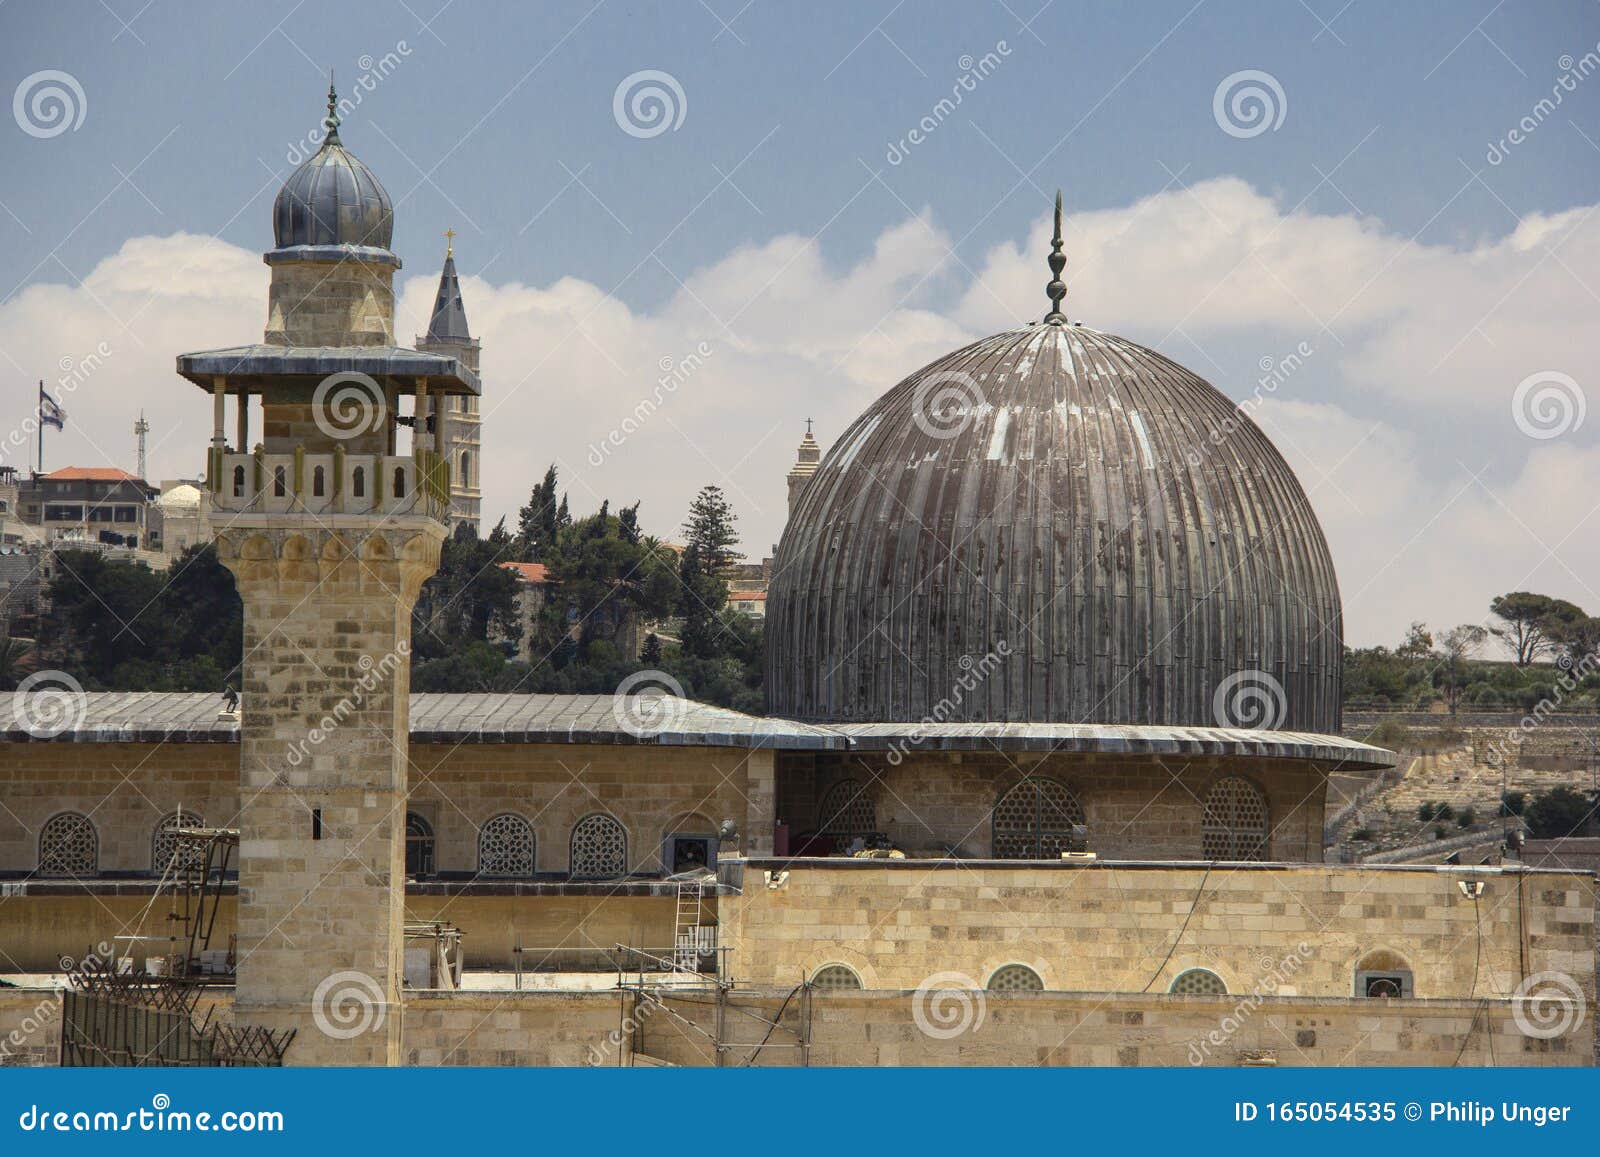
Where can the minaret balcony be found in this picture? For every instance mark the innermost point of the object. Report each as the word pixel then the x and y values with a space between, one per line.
pixel 330 485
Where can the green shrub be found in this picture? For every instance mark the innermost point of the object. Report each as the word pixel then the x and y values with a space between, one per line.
pixel 1466 817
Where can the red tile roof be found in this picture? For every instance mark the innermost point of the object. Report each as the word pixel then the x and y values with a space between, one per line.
pixel 528 572
pixel 91 474
pixel 747 596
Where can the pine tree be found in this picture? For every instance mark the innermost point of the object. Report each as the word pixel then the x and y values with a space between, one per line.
pixel 540 520
pixel 650 653
pixel 710 531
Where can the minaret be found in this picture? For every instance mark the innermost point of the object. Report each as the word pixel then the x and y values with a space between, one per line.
pixel 329 526
pixel 448 334
pixel 805 465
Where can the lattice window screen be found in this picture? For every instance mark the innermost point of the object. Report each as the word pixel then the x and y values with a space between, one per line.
pixel 69 846
pixel 506 846
pixel 1034 821
pixel 599 849
pixel 1234 826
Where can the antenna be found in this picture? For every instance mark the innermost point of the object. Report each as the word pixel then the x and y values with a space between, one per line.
pixel 140 429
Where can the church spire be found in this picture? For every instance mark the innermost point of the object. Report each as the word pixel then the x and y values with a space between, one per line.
pixel 449 321
pixel 1057 289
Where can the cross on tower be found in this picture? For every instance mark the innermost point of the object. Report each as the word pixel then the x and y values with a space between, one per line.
pixel 449 242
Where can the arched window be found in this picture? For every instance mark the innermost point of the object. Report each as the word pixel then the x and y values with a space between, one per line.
pixel 164 845
pixel 280 485
pixel 466 468
pixel 1234 823
pixel 1015 978
pixel 505 846
pixel 835 978
pixel 318 482
pixel 846 812
pixel 599 848
pixel 419 847
pixel 69 846
pixel 399 481
pixel 1383 974
pixel 358 482
pixel 238 481
pixel 1198 982
pixel 1038 819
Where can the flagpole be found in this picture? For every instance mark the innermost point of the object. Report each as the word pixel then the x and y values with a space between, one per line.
pixel 40 415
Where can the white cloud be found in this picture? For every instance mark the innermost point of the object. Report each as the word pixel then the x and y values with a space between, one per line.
pixel 1423 345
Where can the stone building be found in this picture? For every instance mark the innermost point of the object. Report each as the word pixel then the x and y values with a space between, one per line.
pixel 1054 645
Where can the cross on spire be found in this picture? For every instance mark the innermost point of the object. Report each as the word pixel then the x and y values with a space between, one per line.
pixel 449 243
pixel 808 427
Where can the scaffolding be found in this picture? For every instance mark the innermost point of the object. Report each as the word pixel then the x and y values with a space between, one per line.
pixel 695 978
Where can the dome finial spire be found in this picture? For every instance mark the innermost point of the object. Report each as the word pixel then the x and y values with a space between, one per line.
pixel 1057 289
pixel 331 121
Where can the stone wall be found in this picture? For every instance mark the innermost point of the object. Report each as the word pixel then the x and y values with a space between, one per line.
pixel 128 788
pixel 886 1028
pixel 37 931
pixel 1136 806
pixel 1112 928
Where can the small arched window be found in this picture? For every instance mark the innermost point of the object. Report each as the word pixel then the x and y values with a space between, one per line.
pixel 399 481
pixel 358 482
pixel 1198 982
pixel 1038 819
pixel 846 813
pixel 836 978
pixel 238 481
pixel 599 848
pixel 1383 974
pixel 466 468
pixel 1015 978
pixel 319 482
pixel 280 485
pixel 505 846
pixel 1234 822
pixel 69 846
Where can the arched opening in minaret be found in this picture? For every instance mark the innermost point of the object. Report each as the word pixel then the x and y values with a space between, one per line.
pixel 318 482
pixel 358 482
pixel 399 481
pixel 280 485
pixel 466 468
pixel 238 481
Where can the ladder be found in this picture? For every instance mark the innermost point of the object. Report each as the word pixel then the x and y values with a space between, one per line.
pixel 688 935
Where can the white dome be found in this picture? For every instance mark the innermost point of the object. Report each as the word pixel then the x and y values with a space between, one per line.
pixel 184 497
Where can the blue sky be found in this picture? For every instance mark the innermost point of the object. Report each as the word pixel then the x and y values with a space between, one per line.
pixel 771 220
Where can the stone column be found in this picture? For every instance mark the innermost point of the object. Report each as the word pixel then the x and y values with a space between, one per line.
pixel 761 794
pixel 323 759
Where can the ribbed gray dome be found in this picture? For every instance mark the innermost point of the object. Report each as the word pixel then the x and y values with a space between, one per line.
pixel 333 199
pixel 1131 538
